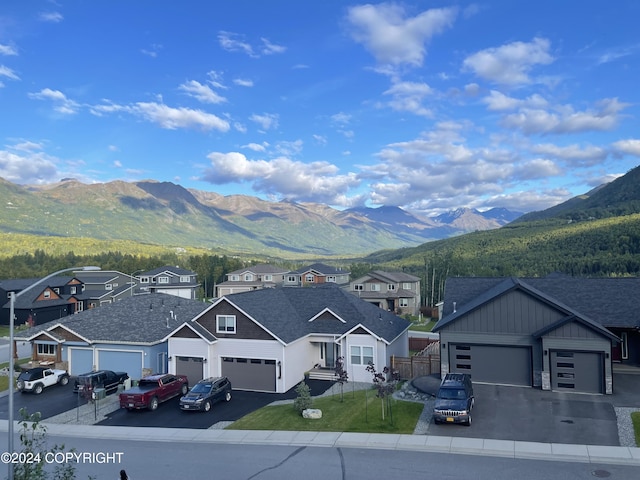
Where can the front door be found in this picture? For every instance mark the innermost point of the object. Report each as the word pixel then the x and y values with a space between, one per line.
pixel 330 354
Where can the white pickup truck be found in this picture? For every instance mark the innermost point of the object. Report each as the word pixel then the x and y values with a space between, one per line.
pixel 37 379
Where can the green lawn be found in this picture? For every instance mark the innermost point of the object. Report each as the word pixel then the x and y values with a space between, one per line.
pixel 423 327
pixel 635 418
pixel 360 411
pixel 4 380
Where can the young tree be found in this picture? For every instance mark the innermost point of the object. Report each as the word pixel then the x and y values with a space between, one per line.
pixel 303 400
pixel 385 383
pixel 342 376
pixel 34 446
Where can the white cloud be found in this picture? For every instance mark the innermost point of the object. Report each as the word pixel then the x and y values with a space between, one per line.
pixel 117 164
pixel 51 17
pixel 393 37
pixel 7 50
pixel 573 155
pixel 231 42
pixel 257 147
pixel 7 72
pixel 498 101
pixel 341 118
pixel 269 48
pixel 317 181
pixel 267 121
pixel 564 119
pixel 167 117
pixel 510 64
pixel 152 51
pixel 408 97
pixel 62 104
pixel 26 164
pixel 241 82
pixel 630 146
pixel 203 93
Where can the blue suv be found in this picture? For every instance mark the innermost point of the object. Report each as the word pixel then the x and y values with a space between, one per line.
pixel 454 400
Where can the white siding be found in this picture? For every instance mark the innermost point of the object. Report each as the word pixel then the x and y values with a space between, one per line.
pixel 358 373
pixel 299 357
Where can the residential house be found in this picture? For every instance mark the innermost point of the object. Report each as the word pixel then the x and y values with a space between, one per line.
pixel 58 297
pixel 170 280
pixel 397 292
pixel 316 274
pixel 128 335
pixel 105 286
pixel 558 332
pixel 266 339
pixel 252 278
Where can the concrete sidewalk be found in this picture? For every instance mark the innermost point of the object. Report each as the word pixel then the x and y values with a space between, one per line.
pixel 424 443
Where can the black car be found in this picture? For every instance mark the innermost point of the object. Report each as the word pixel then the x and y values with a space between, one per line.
pixel 106 379
pixel 205 393
pixel 454 400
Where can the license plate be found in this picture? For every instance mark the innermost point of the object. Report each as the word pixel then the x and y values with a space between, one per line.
pixel 131 405
pixel 449 419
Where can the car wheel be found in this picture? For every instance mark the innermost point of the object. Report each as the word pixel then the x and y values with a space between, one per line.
pixel 436 421
pixel 227 396
pixel 153 404
pixel 38 389
pixel 185 389
pixel 64 380
pixel 207 406
pixel 468 423
pixel 20 386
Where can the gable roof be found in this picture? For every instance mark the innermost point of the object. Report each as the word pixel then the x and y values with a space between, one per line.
pixel 322 269
pixel 176 271
pixel 261 268
pixel 286 312
pixel 611 302
pixel 393 277
pixel 141 319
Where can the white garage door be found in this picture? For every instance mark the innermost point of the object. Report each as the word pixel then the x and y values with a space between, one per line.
pixel 80 360
pixel 121 361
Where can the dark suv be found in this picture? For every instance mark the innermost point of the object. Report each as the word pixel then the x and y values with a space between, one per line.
pixel 99 379
pixel 455 400
pixel 205 393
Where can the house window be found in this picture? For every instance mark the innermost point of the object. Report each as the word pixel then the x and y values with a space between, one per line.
pixel 235 278
pixel 358 286
pixel 108 286
pixel 73 290
pixel 309 278
pixel 291 279
pixel 404 302
pixel 406 286
pixel 331 278
pixel 375 287
pixel 57 290
pixel 164 280
pixel 79 307
pixel 624 350
pixel 46 349
pixel 144 279
pixel 185 278
pixel 391 287
pixel 47 294
pixel 248 277
pixel 225 323
pixel 361 355
pixel 268 278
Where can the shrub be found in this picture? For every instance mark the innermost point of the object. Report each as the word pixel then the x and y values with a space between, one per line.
pixel 303 400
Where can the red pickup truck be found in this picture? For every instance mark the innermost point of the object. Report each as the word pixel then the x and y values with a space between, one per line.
pixel 153 390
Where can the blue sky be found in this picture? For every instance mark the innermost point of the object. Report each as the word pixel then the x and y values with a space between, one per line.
pixel 427 105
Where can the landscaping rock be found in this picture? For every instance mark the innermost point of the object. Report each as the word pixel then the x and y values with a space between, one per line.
pixel 312 413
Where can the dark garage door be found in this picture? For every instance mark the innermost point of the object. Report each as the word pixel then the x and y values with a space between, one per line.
pixel 492 364
pixel 250 373
pixel 577 371
pixel 191 367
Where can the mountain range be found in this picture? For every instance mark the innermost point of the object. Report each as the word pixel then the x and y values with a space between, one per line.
pixel 169 214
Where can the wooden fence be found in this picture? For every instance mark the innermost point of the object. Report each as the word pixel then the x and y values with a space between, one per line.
pixel 416 366
pixel 417 344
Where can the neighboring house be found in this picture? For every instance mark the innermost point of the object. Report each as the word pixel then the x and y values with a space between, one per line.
pixel 59 297
pixel 557 332
pixel 105 286
pixel 265 340
pixel 251 278
pixel 170 280
pixel 128 335
pixel 316 274
pixel 397 292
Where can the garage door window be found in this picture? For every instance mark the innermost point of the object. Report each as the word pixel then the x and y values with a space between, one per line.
pixel 225 323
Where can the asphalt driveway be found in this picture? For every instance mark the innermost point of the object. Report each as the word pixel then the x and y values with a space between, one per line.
pixel 531 414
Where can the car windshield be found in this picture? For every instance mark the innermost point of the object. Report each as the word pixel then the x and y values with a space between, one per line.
pixel 201 388
pixel 452 394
